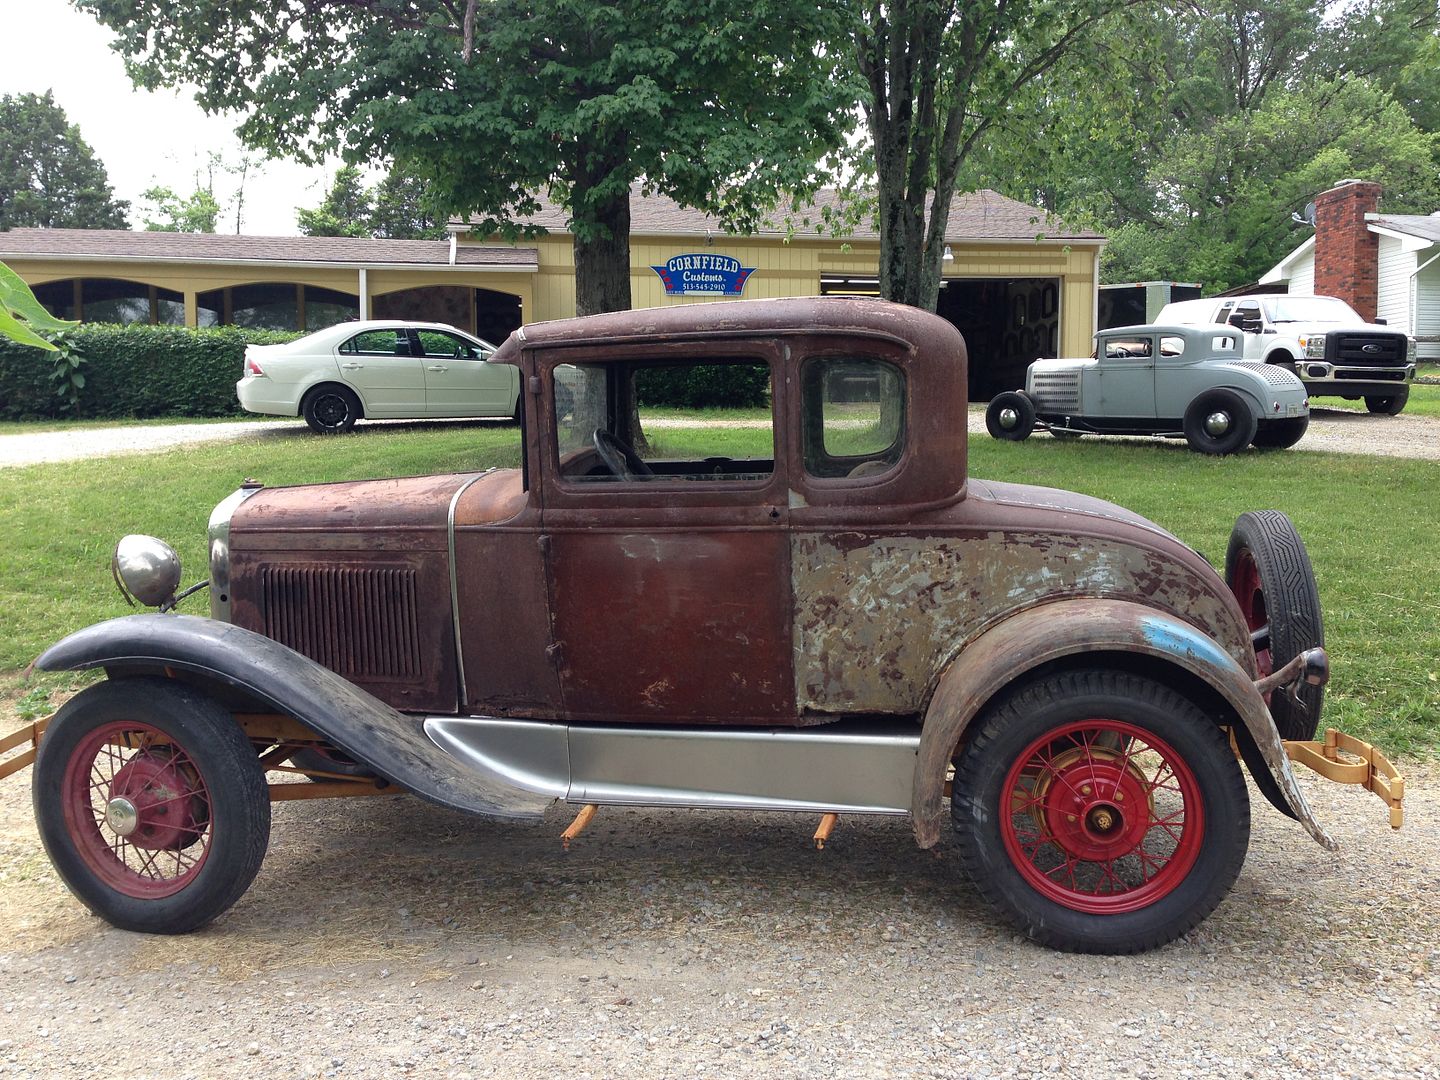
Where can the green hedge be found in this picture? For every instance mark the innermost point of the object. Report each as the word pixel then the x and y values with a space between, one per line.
pixel 705 386
pixel 134 371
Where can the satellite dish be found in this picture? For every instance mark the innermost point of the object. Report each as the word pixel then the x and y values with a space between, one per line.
pixel 1307 218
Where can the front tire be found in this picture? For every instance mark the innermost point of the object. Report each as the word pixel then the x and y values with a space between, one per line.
pixel 1389 405
pixel 1281 434
pixel 151 804
pixel 330 409
pixel 1101 811
pixel 1268 570
pixel 1219 422
pixel 1010 416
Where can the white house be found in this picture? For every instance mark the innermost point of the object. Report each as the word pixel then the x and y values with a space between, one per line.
pixel 1386 266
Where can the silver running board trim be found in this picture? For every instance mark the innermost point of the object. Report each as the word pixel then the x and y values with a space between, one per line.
pixel 856 767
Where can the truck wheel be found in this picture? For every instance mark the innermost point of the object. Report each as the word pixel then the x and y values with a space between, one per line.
pixel 1010 416
pixel 330 409
pixel 1269 572
pixel 1219 422
pixel 1389 406
pixel 1101 811
pixel 1281 434
pixel 151 804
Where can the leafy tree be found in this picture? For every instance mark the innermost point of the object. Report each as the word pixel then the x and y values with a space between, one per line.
pixel 168 212
pixel 941 75
pixel 396 208
pixel 49 176
pixel 346 211
pixel 718 105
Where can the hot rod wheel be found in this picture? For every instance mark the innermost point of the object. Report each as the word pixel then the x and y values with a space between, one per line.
pixel 1101 811
pixel 151 804
pixel 1268 570
pixel 1010 416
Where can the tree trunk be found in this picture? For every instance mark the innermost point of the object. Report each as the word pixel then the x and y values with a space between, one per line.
pixel 602 255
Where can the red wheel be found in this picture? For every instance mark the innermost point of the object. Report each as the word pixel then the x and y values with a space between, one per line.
pixel 1104 816
pixel 1100 810
pixel 1268 570
pixel 151 804
pixel 138 810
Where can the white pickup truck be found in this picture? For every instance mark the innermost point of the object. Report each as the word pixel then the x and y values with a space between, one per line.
pixel 1322 339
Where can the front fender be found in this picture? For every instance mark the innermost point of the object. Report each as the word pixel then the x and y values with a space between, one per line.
pixel 1040 635
pixel 395 746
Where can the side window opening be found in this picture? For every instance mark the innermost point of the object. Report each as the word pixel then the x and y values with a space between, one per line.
pixel 596 406
pixel 1172 345
pixel 1127 348
pixel 854 411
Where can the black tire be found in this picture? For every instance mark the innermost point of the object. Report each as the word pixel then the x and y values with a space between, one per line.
pixel 1390 405
pixel 1281 434
pixel 1268 569
pixel 331 409
pixel 1010 416
pixel 1219 407
pixel 179 740
pixel 1184 887
pixel 331 761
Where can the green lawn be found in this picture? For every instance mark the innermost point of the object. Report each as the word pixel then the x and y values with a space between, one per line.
pixel 1370 524
pixel 1424 401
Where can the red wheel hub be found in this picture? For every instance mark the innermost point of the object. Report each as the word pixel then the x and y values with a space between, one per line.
pixel 1104 817
pixel 138 809
pixel 159 802
pixel 1247 590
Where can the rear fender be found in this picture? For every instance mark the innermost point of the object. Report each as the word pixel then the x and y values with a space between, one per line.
pixel 1003 655
pixel 394 745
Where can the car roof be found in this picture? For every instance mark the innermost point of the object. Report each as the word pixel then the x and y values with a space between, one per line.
pixel 1187 330
pixel 921 331
pixel 345 330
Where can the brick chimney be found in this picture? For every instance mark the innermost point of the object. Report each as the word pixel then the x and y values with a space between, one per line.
pixel 1347 254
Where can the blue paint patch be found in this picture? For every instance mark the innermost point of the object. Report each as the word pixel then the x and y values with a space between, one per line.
pixel 1181 640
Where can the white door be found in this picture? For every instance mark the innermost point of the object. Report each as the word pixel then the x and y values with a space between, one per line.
pixel 385 372
pixel 458 381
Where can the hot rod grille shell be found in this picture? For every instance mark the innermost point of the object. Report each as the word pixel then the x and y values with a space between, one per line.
pixel 1056 391
pixel 357 621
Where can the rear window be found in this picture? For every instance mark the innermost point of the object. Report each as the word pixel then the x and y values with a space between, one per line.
pixel 854 417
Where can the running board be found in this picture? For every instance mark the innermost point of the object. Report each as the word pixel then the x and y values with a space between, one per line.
pixel 855 767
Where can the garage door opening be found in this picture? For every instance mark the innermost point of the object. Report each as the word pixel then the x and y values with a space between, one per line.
pixel 1006 322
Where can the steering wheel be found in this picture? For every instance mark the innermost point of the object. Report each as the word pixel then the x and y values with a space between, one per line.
pixel 621 460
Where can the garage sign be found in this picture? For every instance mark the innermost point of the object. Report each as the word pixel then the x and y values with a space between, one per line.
pixel 702 274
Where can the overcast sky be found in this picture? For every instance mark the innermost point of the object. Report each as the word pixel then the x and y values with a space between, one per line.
pixel 143 139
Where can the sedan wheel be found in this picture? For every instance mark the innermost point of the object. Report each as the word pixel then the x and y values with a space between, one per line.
pixel 331 410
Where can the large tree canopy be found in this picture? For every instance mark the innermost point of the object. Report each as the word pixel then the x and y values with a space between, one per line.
pixel 49 176
pixel 719 105
pixel 397 208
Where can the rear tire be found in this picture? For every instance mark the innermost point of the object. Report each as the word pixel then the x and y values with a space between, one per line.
pixel 1010 416
pixel 1389 405
pixel 1219 422
pixel 330 409
pixel 1281 434
pixel 1268 570
pixel 151 804
pixel 1101 811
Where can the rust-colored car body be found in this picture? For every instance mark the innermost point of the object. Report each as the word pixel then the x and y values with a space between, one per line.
pixel 787 603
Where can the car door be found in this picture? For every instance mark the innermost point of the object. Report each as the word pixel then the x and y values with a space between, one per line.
pixel 381 365
pixel 669 571
pixel 1247 318
pixel 458 381
pixel 1126 369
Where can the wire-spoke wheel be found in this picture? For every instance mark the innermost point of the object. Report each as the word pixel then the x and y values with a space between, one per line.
pixel 151 803
pixel 1101 811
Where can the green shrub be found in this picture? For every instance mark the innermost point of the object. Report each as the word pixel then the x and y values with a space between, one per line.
pixel 704 386
pixel 134 370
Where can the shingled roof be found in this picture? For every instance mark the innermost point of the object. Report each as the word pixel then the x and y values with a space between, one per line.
pixel 214 247
pixel 1421 226
pixel 975 215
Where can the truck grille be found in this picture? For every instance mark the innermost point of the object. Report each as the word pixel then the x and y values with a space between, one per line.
pixel 356 621
pixel 1365 350
pixel 1055 391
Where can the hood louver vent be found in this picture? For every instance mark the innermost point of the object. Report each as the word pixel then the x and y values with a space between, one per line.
pixel 360 622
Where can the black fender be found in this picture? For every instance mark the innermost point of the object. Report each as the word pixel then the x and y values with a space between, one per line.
pixel 392 744
pixel 1003 654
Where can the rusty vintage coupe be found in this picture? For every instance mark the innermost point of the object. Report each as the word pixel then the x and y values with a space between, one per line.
pixel 839 622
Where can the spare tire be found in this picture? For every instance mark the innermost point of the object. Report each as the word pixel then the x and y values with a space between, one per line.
pixel 1268 570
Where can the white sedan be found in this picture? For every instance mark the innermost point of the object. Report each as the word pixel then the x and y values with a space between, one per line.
pixel 377 370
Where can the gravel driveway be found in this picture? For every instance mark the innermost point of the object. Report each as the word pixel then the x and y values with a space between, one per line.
pixel 1330 429
pixel 385 937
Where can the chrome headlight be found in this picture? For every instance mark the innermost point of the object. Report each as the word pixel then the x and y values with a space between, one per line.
pixel 146 570
pixel 1410 351
pixel 1314 345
